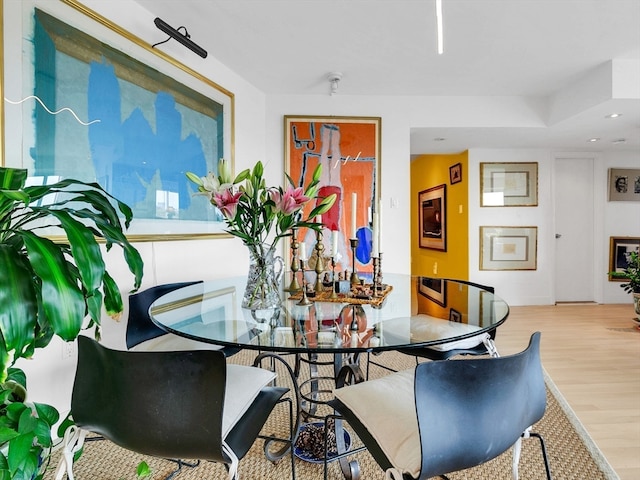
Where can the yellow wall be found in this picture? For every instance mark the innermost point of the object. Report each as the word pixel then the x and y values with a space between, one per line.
pixel 429 171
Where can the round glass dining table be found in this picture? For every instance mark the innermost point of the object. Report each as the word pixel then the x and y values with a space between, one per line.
pixel 415 312
pixel 412 312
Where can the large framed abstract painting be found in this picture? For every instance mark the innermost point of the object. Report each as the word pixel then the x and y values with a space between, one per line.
pixel 89 100
pixel 348 148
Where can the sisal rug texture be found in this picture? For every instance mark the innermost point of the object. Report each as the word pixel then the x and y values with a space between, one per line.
pixel 572 454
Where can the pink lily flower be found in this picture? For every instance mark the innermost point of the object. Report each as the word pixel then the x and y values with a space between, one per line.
pixel 292 200
pixel 227 202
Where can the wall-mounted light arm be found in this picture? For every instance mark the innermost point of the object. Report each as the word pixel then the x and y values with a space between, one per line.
pixel 184 39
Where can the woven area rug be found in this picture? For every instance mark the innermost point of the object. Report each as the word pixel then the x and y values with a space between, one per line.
pixel 572 454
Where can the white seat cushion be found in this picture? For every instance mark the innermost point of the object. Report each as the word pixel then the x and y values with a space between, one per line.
pixel 173 343
pixel 431 328
pixel 386 407
pixel 243 385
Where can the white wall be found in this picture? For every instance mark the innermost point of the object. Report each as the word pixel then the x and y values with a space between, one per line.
pixel 526 287
pixel 619 219
pixel 536 287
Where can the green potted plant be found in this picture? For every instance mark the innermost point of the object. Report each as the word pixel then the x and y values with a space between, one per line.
pixel 631 273
pixel 50 288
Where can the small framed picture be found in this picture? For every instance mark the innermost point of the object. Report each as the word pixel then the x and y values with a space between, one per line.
pixel 432 221
pixel 508 248
pixel 619 249
pixel 435 289
pixel 508 184
pixel 455 316
pixel 455 173
pixel 624 185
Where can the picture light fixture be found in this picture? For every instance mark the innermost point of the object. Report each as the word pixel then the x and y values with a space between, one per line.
pixel 184 39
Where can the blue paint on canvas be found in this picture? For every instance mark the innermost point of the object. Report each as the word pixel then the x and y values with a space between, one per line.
pixel 130 153
pixel 146 139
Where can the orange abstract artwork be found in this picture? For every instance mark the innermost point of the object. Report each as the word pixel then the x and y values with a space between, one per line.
pixel 349 151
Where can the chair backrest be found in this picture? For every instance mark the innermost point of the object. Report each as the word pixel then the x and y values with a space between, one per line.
pixel 140 328
pixel 165 404
pixel 470 411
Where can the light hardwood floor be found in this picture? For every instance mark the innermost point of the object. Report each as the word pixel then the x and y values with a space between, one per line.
pixel 592 353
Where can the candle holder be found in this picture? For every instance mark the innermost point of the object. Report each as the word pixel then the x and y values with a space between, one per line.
pixel 334 294
pixel 319 248
pixel 376 269
pixel 377 276
pixel 355 279
pixel 304 301
pixel 294 286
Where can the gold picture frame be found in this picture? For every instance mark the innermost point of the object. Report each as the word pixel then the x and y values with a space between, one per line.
pixel 619 247
pixel 508 248
pixel 509 184
pixel 432 218
pixel 142 118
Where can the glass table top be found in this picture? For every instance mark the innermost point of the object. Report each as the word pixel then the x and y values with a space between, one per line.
pixel 418 312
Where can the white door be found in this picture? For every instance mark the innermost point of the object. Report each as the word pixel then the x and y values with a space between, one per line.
pixel 574 224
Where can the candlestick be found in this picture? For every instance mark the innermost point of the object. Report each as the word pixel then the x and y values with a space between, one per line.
pixel 294 286
pixel 375 279
pixel 304 301
pixel 355 280
pixel 354 206
pixel 319 261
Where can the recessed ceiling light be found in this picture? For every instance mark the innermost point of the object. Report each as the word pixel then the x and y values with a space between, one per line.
pixel 619 140
pixel 594 139
pixel 439 139
pixel 613 115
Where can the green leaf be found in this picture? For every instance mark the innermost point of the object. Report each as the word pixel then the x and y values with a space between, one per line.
pixel 62 299
pixel 18 307
pixel 112 298
pixel 12 178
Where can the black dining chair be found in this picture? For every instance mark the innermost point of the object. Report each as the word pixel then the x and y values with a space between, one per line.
pixel 144 335
pixel 182 404
pixel 445 416
pixel 483 344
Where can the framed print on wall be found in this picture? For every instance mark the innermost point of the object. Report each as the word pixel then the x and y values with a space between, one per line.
pixel 455 173
pixel 432 218
pixel 508 248
pixel 508 184
pixel 348 148
pixel 624 184
pixel 619 249
pixel 127 116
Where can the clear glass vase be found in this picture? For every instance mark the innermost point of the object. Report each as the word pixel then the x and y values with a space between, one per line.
pixel 263 282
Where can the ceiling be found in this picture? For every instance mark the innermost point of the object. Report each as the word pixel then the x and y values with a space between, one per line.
pixel 549 52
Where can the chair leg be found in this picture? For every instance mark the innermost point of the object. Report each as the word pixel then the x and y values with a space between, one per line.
pixel 544 454
pixel 178 469
pixel 517 448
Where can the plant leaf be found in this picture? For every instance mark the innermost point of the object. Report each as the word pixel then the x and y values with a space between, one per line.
pixel 62 299
pixel 18 307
